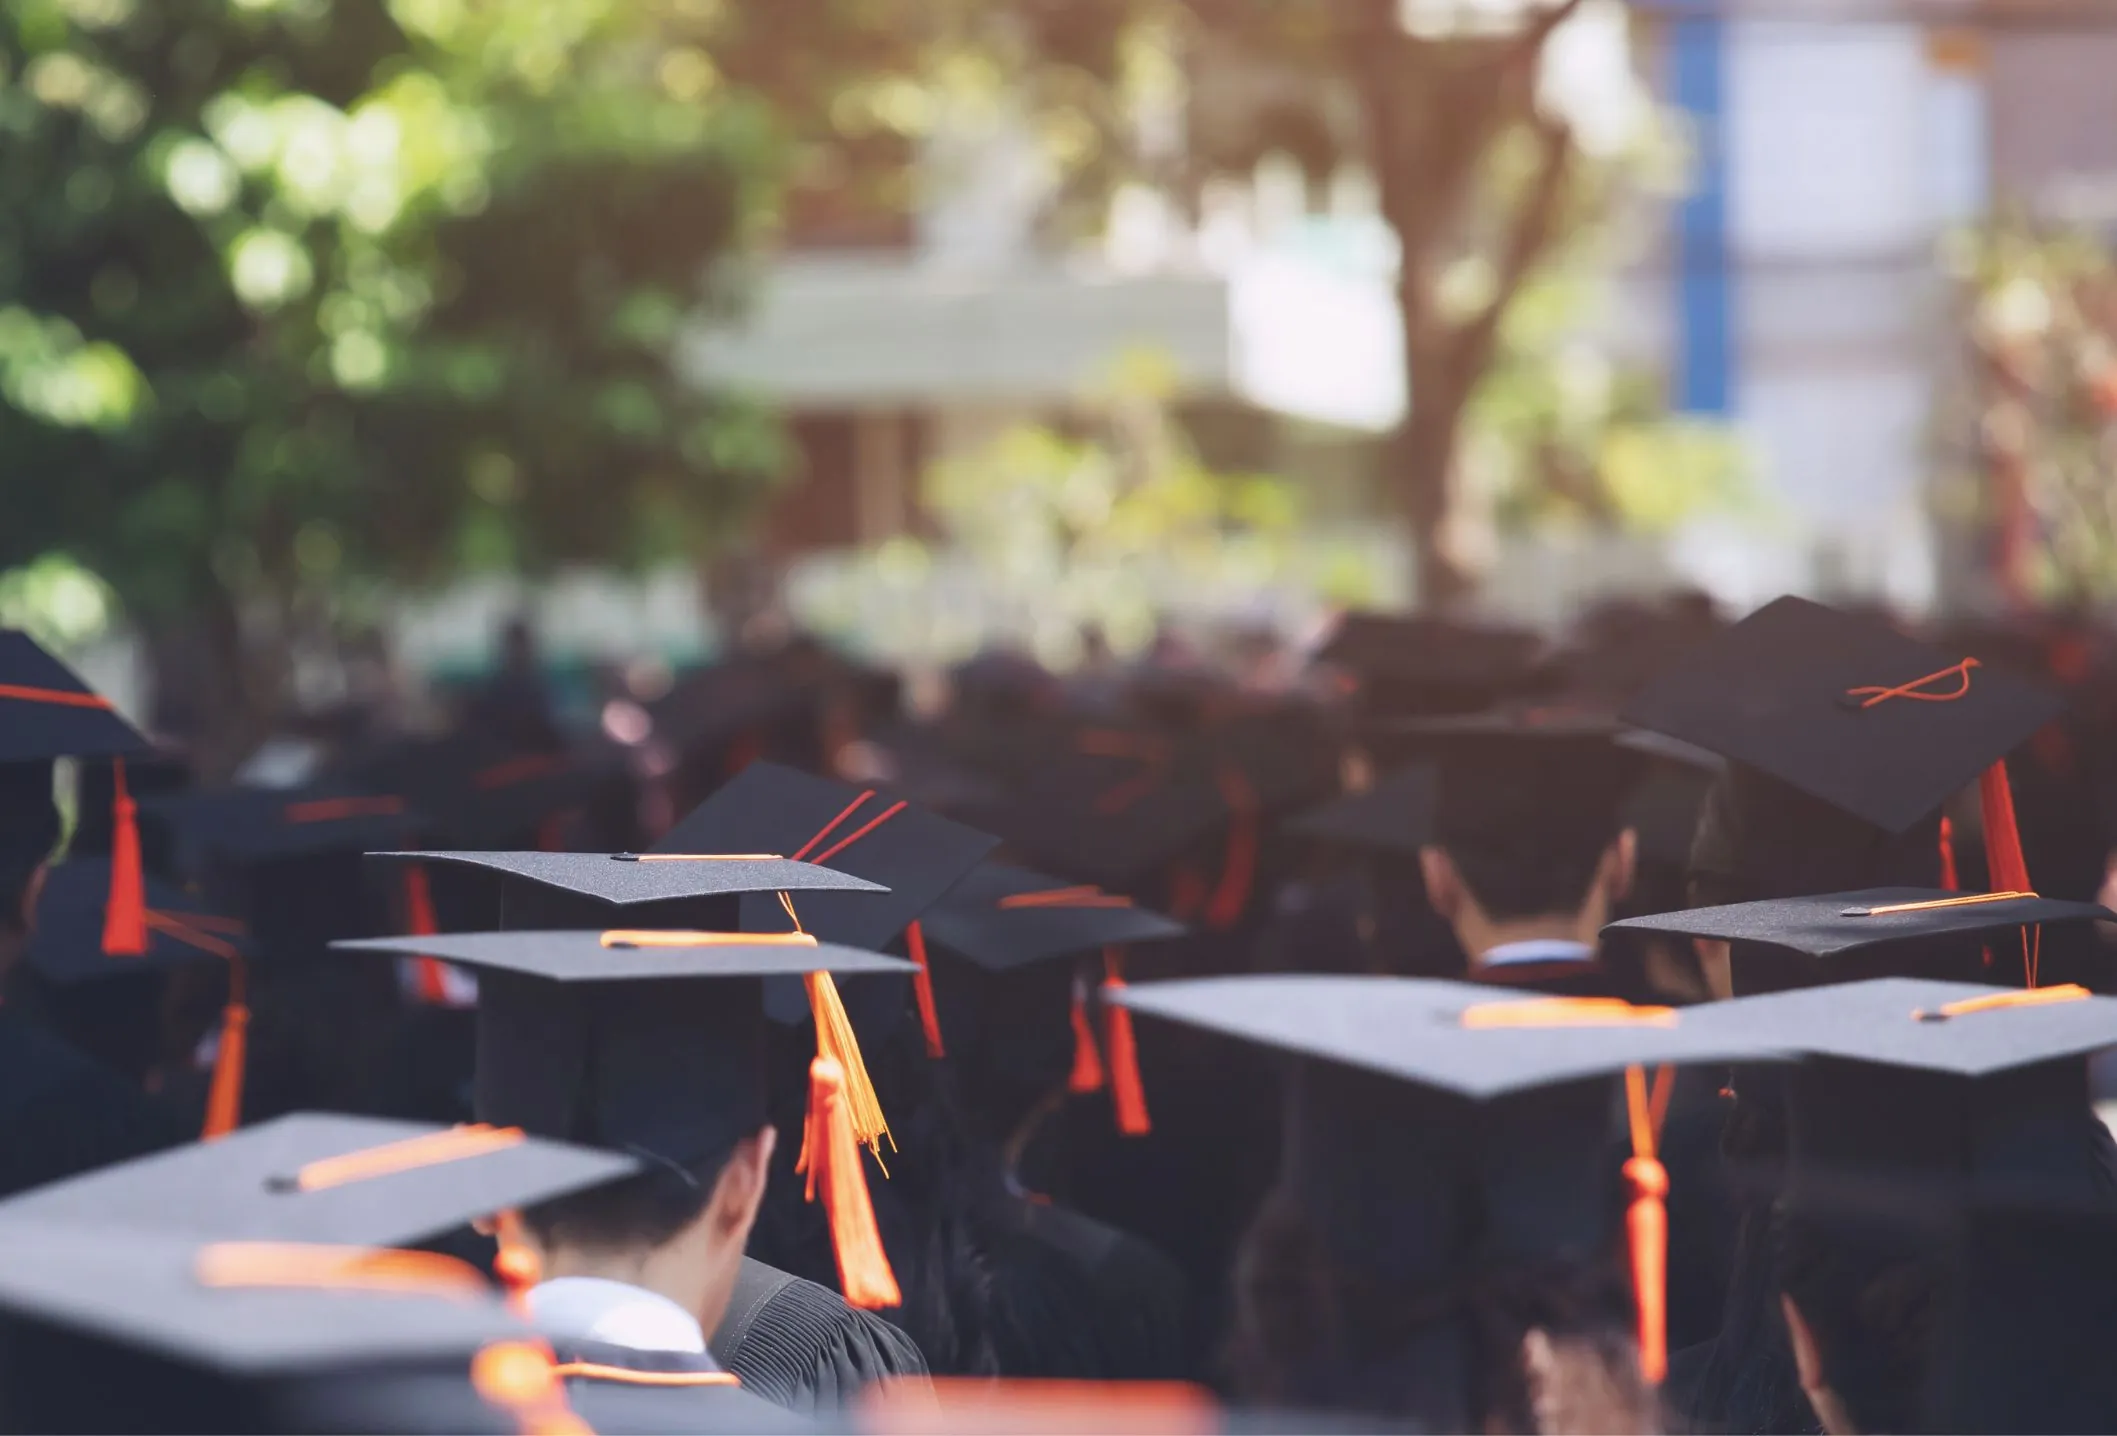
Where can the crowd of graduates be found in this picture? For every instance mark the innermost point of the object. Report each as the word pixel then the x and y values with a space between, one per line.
pixel 1677 1024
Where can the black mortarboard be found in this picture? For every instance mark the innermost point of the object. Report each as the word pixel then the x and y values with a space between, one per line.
pixel 66 945
pixel 592 890
pixel 477 791
pixel 1511 776
pixel 125 1330
pixel 1430 1123
pixel 1003 917
pixel 251 826
pixel 1917 929
pixel 1844 708
pixel 324 1177
pixel 912 854
pixel 1393 816
pixel 1410 664
pixel 652 1042
pixel 47 712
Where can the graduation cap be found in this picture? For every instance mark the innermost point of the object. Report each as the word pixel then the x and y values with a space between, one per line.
pixel 252 826
pixel 66 947
pixel 651 1041
pixel 47 712
pixel 1918 1098
pixel 123 1329
pixel 915 855
pixel 1854 714
pixel 478 791
pixel 1393 816
pixel 324 1177
pixel 1519 775
pixel 1410 663
pixel 1828 927
pixel 1426 1116
pixel 1003 918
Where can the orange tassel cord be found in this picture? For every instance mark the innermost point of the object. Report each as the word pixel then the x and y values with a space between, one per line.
pixel 1647 1218
pixel 1230 897
pixel 431 981
pixel 1087 1074
pixel 125 913
pixel 1128 1095
pixel 922 990
pixel 830 1158
pixel 1949 881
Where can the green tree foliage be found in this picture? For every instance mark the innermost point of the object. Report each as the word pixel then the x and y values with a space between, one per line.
pixel 297 296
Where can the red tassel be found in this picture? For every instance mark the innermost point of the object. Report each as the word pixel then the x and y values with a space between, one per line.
pixel 1231 895
pixel 1948 877
pixel 2007 869
pixel 125 912
pixel 431 981
pixel 830 1156
pixel 922 990
pixel 1087 1073
pixel 1127 1094
pixel 224 1098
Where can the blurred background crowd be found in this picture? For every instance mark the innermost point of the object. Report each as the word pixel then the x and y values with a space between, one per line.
pixel 335 332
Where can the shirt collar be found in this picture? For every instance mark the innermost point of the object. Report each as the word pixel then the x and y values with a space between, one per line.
pixel 1537 949
pixel 593 1308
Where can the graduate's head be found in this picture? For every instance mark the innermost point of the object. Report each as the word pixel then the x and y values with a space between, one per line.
pixel 1527 827
pixel 1859 1302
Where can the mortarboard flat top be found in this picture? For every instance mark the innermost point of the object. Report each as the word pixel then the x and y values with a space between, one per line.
pixel 1959 1029
pixel 66 942
pixel 1416 1030
pixel 913 854
pixel 478 789
pixel 1846 709
pixel 985 919
pixel 1409 648
pixel 251 1183
pixel 166 1295
pixel 252 825
pixel 1395 815
pixel 1828 924
pixel 628 878
pixel 46 711
pixel 575 956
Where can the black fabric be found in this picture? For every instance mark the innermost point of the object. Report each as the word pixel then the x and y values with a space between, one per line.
pixel 1134 1319
pixel 38 729
pixel 62 1114
pixel 1394 816
pixel 800 1346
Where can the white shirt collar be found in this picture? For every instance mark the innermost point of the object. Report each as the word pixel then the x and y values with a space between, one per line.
pixel 593 1308
pixel 1536 949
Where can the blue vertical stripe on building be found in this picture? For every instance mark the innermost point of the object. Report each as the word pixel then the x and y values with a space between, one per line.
pixel 1705 307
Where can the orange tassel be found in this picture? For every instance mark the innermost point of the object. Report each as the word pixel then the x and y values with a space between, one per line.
pixel 1231 895
pixel 125 912
pixel 1127 1094
pixel 1949 880
pixel 1647 1219
pixel 1087 1073
pixel 835 1039
pixel 224 1098
pixel 922 990
pixel 830 1157
pixel 431 982
pixel 1187 892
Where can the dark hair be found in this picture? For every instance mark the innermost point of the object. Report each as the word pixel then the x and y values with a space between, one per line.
pixel 1314 1332
pixel 1530 874
pixel 636 1213
pixel 1869 1293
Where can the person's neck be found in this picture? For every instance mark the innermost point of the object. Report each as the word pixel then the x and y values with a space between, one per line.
pixel 665 1273
pixel 1480 935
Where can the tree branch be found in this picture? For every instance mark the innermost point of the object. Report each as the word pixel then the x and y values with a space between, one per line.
pixel 1527 240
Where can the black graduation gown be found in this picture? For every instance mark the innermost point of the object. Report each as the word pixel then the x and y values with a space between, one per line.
pixel 801 1346
pixel 62 1113
pixel 1128 1316
pixel 618 1389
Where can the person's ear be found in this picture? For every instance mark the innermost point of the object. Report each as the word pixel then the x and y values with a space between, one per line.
pixel 739 1190
pixel 1540 1377
pixel 1622 864
pixel 1444 885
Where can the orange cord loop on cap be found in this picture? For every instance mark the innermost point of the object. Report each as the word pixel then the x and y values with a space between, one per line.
pixel 1128 1094
pixel 331 810
pixel 1566 1012
pixel 922 989
pixel 519 770
pixel 654 937
pixel 1999 1001
pixel 1915 689
pixel 63 697
pixel 337 1268
pixel 830 1159
pixel 1085 896
pixel 707 857
pixel 801 854
pixel 1646 1216
pixel 1939 904
pixel 431 1149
